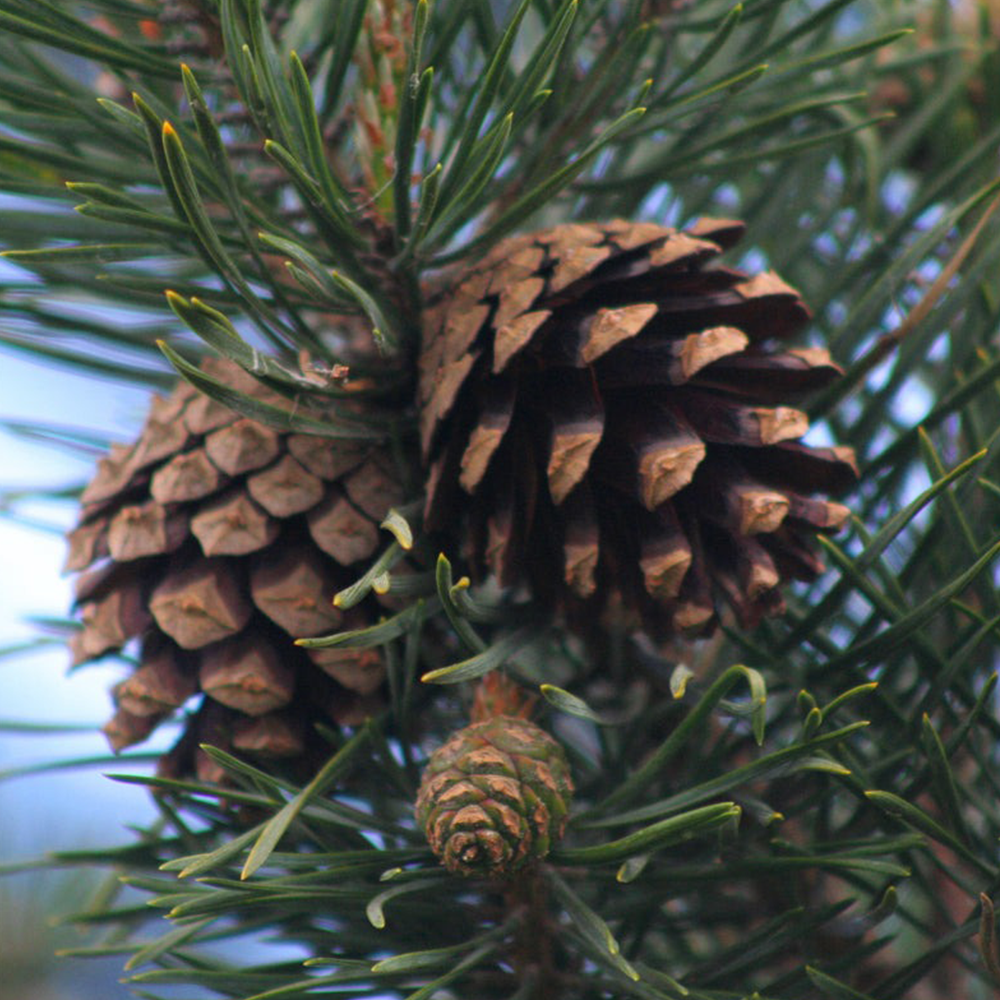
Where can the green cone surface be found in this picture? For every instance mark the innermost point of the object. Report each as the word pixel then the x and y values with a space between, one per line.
pixel 494 797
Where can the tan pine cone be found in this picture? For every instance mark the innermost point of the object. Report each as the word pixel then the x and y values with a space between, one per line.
pixel 495 797
pixel 606 417
pixel 208 546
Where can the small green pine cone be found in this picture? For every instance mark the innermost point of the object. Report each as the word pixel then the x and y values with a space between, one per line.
pixel 495 797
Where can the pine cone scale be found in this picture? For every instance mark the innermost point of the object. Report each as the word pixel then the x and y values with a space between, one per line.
pixel 188 476
pixel 200 604
pixel 576 419
pixel 145 530
pixel 87 545
pixel 285 488
pixel 512 337
pixel 243 446
pixel 233 525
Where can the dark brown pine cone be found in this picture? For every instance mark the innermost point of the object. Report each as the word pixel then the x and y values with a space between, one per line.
pixel 605 417
pixel 209 545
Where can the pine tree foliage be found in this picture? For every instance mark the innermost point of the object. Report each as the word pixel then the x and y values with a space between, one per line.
pixel 807 809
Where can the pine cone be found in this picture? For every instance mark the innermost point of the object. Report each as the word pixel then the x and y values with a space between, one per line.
pixel 495 797
pixel 604 418
pixel 211 543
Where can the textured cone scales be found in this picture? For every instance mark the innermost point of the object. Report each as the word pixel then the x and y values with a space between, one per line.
pixel 611 421
pixel 495 797
pixel 210 544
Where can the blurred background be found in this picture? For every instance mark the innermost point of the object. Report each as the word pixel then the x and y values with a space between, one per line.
pixel 62 809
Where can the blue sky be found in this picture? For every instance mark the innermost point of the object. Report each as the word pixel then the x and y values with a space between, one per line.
pixel 54 810
pixel 36 686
